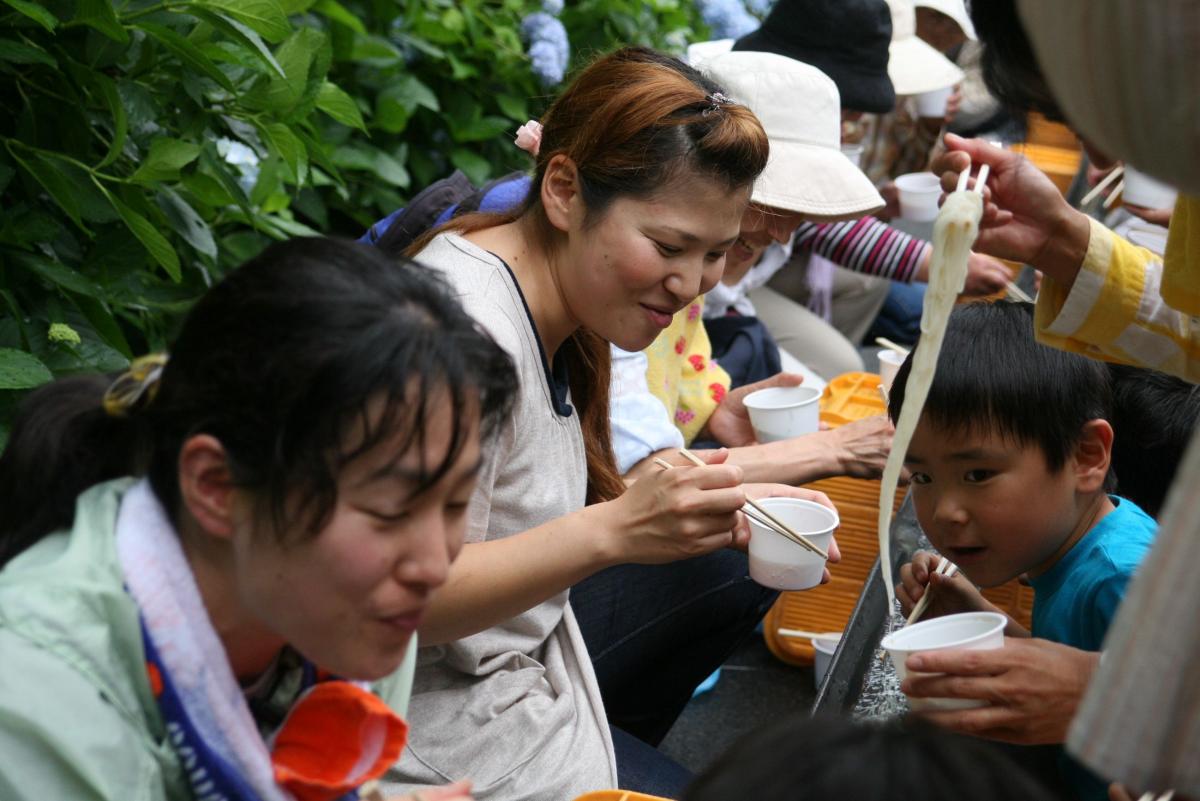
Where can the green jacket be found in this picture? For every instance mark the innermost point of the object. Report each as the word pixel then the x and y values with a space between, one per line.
pixel 77 717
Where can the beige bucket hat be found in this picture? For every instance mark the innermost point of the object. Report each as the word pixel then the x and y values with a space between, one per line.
pixel 955 10
pixel 915 67
pixel 800 110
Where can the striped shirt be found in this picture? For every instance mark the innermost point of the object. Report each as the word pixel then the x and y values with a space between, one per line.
pixel 868 246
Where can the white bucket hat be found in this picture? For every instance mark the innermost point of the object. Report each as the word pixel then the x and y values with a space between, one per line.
pixel 955 10
pixel 801 112
pixel 914 67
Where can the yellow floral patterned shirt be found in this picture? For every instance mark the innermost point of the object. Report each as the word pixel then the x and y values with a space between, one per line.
pixel 682 374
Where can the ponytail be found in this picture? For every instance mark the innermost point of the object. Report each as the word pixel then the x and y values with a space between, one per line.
pixel 63 441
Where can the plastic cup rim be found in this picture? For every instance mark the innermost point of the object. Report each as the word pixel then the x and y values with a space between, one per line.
pixel 754 399
pixel 889 642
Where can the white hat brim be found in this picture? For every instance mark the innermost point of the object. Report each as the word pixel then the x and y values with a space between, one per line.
pixel 955 10
pixel 916 68
pixel 815 180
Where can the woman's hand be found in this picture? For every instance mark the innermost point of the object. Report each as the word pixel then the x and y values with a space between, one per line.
pixel 729 424
pixel 759 491
pixel 950 597
pixel 676 513
pixel 1025 217
pixel 1032 687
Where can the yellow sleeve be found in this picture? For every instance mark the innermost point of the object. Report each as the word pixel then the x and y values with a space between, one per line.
pixel 1115 310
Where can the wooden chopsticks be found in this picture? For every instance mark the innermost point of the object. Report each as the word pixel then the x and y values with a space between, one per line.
pixel 756 512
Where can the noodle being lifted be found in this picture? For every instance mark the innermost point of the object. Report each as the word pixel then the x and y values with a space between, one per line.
pixel 953 234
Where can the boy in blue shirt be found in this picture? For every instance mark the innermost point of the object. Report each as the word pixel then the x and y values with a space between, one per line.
pixel 1010 467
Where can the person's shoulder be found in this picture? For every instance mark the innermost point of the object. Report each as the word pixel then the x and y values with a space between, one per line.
pixel 63 603
pixel 1127 534
pixel 62 737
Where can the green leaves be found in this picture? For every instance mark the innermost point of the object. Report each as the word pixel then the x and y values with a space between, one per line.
pixel 119 208
pixel 339 105
pixel 166 158
pixel 35 12
pixel 265 17
pixel 20 370
pixel 99 14
pixel 187 52
pixel 155 243
pixel 51 178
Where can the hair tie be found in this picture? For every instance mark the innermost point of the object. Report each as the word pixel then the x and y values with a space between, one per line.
pixel 715 101
pixel 138 382
pixel 529 137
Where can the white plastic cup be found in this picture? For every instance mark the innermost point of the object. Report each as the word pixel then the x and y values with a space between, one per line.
pixel 919 193
pixel 776 561
pixel 1142 190
pixel 933 104
pixel 854 153
pixel 781 413
pixel 973 631
pixel 889 365
pixel 823 650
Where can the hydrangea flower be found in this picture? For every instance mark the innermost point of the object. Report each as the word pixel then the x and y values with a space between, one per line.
pixel 554 7
pixel 728 19
pixel 242 158
pixel 759 8
pixel 61 332
pixel 549 51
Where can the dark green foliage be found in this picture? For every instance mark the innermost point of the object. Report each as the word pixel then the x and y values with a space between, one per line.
pixel 118 206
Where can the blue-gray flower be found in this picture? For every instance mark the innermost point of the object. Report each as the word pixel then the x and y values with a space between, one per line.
pixel 549 51
pixel 728 19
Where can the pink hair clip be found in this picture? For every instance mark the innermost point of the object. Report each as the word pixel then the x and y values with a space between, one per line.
pixel 529 137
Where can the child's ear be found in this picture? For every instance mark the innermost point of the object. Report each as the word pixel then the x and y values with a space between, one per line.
pixel 560 191
pixel 1093 455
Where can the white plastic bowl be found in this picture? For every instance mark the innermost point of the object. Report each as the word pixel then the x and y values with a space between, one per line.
pixel 974 631
pixel 784 412
pixel 823 650
pixel 776 561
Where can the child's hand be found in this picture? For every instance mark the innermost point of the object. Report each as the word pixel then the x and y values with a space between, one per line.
pixel 951 596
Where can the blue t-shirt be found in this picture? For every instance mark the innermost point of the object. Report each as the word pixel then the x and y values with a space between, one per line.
pixel 1075 601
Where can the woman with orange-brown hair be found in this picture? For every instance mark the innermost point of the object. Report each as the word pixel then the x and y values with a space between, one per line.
pixel 643 171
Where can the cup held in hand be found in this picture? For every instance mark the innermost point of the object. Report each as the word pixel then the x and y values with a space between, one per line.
pixel 776 561
pixel 919 193
pixel 974 631
pixel 780 413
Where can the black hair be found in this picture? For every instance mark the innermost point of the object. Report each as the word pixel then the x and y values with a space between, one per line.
pixel 994 376
pixel 1154 415
pixel 1010 68
pixel 826 758
pixel 299 361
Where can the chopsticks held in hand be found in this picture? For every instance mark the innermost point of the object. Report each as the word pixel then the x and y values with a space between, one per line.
pixel 946 569
pixel 756 512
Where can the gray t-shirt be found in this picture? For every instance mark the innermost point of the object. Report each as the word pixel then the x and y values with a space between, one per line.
pixel 515 708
